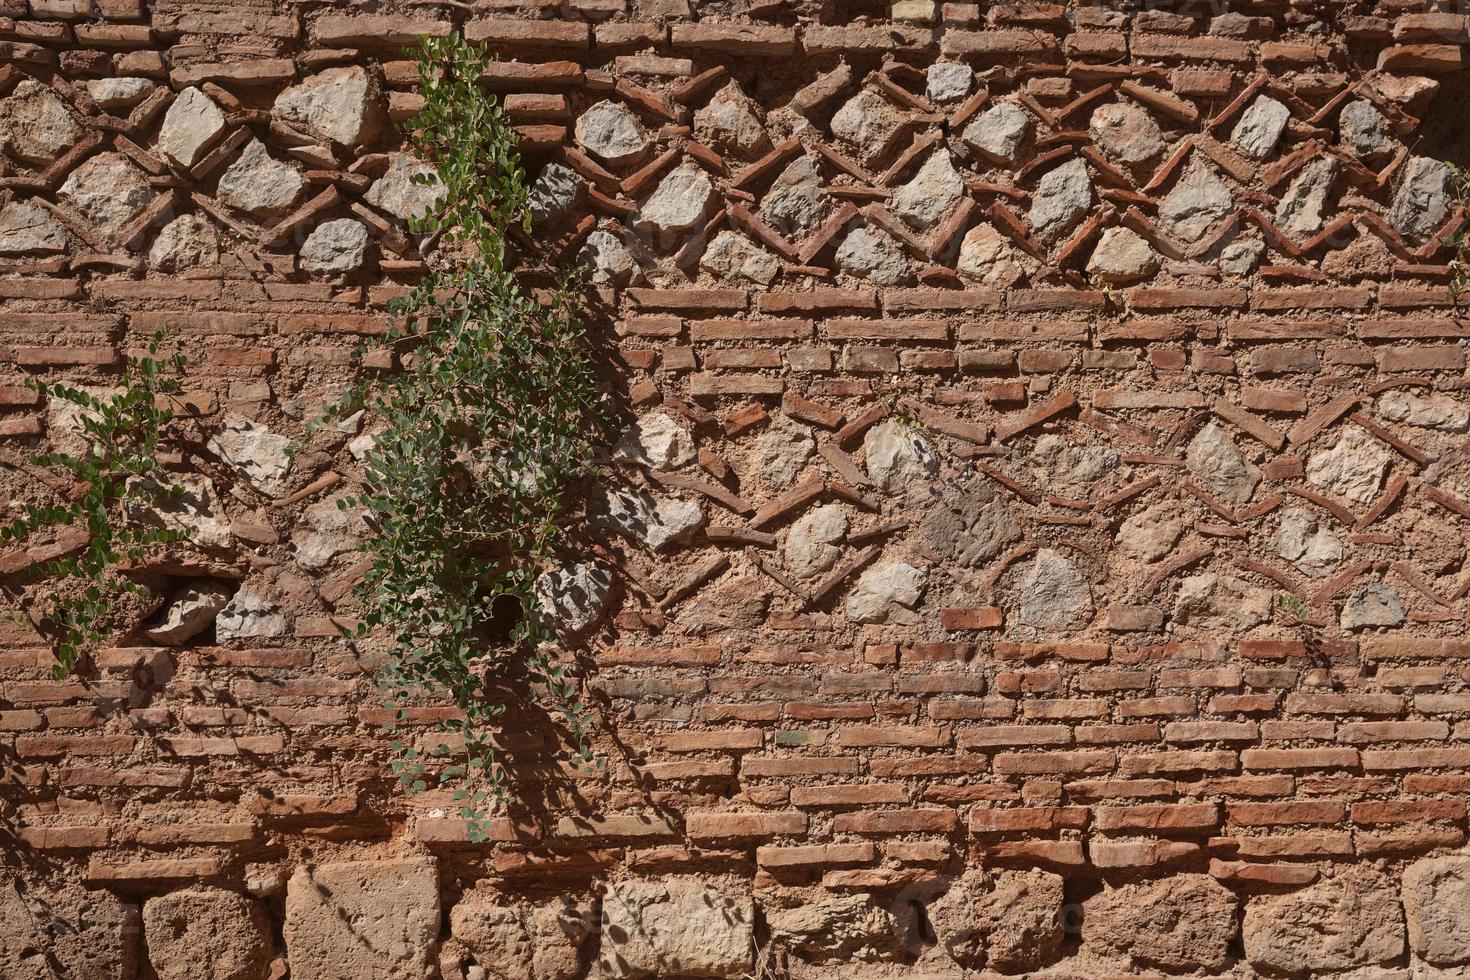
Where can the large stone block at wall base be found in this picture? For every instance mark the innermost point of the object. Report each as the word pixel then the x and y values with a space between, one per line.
pixel 362 920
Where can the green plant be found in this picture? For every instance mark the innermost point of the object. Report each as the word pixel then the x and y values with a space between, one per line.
pixel 104 498
pixel 1293 605
pixel 1460 241
pixel 484 430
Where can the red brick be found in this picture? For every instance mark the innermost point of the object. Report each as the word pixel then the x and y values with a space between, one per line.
pixel 915 821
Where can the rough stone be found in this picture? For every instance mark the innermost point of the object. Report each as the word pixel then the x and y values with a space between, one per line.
pixel 679 204
pixel 813 544
pixel 1126 133
pixel 1000 132
pixel 118 93
pixel 341 104
pixel 553 193
pixel 56 928
pixel 1184 922
pixel 184 243
pixel 737 602
pixel 988 257
pixel 1352 468
pixel 1374 604
pixel 1260 127
pixel 249 615
pixel 971 524
pixel 898 456
pixel 610 131
pixel 355 919
pixel 1350 920
pixel 1052 593
pixel 192 125
pixel 335 247
pixel 1433 411
pixel 190 612
pixel 1436 893
pixel 841 928
pixel 1363 128
pixel 259 185
pixel 254 451
pixel 396 192
pixel 560 928
pixel 330 530
pixel 1065 464
pixel 1150 534
pixel 869 122
pixel 675 927
pixel 1240 257
pixel 1061 200
pixel 654 523
pixel 109 192
pixel 948 81
pixel 888 593
pixel 1195 203
pixel 731 123
pixel 189 506
pixel 28 230
pixel 1220 602
pixel 873 254
pixel 606 258
pixel 204 933
pixel 674 522
pixel 733 256
pixel 1214 458
pixel 35 124
pixel 1309 545
pixel 1301 209
pixel 495 934
pixel 657 442
pixel 573 596
pixel 1011 922
pixel 1122 255
pixel 932 193
pixel 1423 199
pixel 797 200
pixel 781 452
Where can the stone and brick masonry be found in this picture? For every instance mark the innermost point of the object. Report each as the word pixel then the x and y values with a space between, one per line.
pixel 1041 546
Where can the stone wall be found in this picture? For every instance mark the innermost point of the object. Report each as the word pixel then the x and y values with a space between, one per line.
pixel 1041 545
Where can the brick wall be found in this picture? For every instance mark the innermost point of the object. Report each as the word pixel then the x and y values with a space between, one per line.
pixel 1041 544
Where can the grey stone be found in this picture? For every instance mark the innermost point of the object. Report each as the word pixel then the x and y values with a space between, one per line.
pixel 118 93
pixel 29 230
pixel 1215 459
pixel 733 256
pixel 259 185
pixel 989 258
pixel 54 928
pixel 657 442
pixel 674 927
pixel 675 521
pixel 1349 920
pixel 1363 128
pixel 1352 468
pixel 184 243
pixel 796 201
pixel 1239 258
pixel 1000 132
pixel 341 104
pixel 813 544
pixel 1180 923
pixel 1306 543
pixel 680 203
pixel 396 192
pixel 1061 200
pixel 606 258
pixel 553 193
pixel 1194 204
pixel 888 593
pixel 249 615
pixel 254 451
pixel 204 933
pixel 636 514
pixel 971 525
pixel 1436 893
pixel 1423 199
pixel 1301 209
pixel 899 458
pixel 932 193
pixel 869 122
pixel 1374 604
pixel 1052 593
pixel 188 505
pixel 1220 602
pixel 730 122
pixel 611 132
pixel 335 247
pixel 1150 534
pixel 1412 93
pixel 1066 464
pixel 35 124
pixel 781 452
pixel 192 125
pixel 109 191
pixel 1126 132
pixel 358 919
pixel 1122 255
pixel 837 928
pixel 190 612
pixel 330 530
pixel 1260 127
pixel 573 597
pixel 873 254
pixel 948 81
pixel 1433 411
pixel 735 603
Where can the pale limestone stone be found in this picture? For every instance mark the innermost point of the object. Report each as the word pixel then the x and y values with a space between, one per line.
pixel 611 132
pixel 874 255
pixel 813 544
pixel 1122 255
pixel 733 256
pixel 1259 128
pixel 188 505
pixel 204 933
pixel 35 124
pixel 397 192
pixel 572 597
pixel 335 247
pixel 1217 461
pixel 1423 198
pixel 1302 208
pixel 989 258
pixel 248 616
pixel 899 458
pixel 680 203
pixel 1220 602
pixel 1374 604
pixel 109 191
pixel 1353 467
pixel 1307 543
pixel 257 453
pixel 1052 594
pixel 190 612
pixel 1363 128
pixel 606 258
pixel 730 122
pixel 26 229
pixel 553 193
pixel 342 104
pixel 869 122
pixel 191 126
pixel 1126 132
pixel 1150 534
pixel 781 452
pixel 118 93
pixel 1195 203
pixel 888 593
pixel 932 193
pixel 1000 132
pixel 184 243
pixel 657 442
pixel 797 201
pixel 259 185
pixel 674 927
pixel 948 81
pixel 358 919
pixel 1062 198
pixel 1433 411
